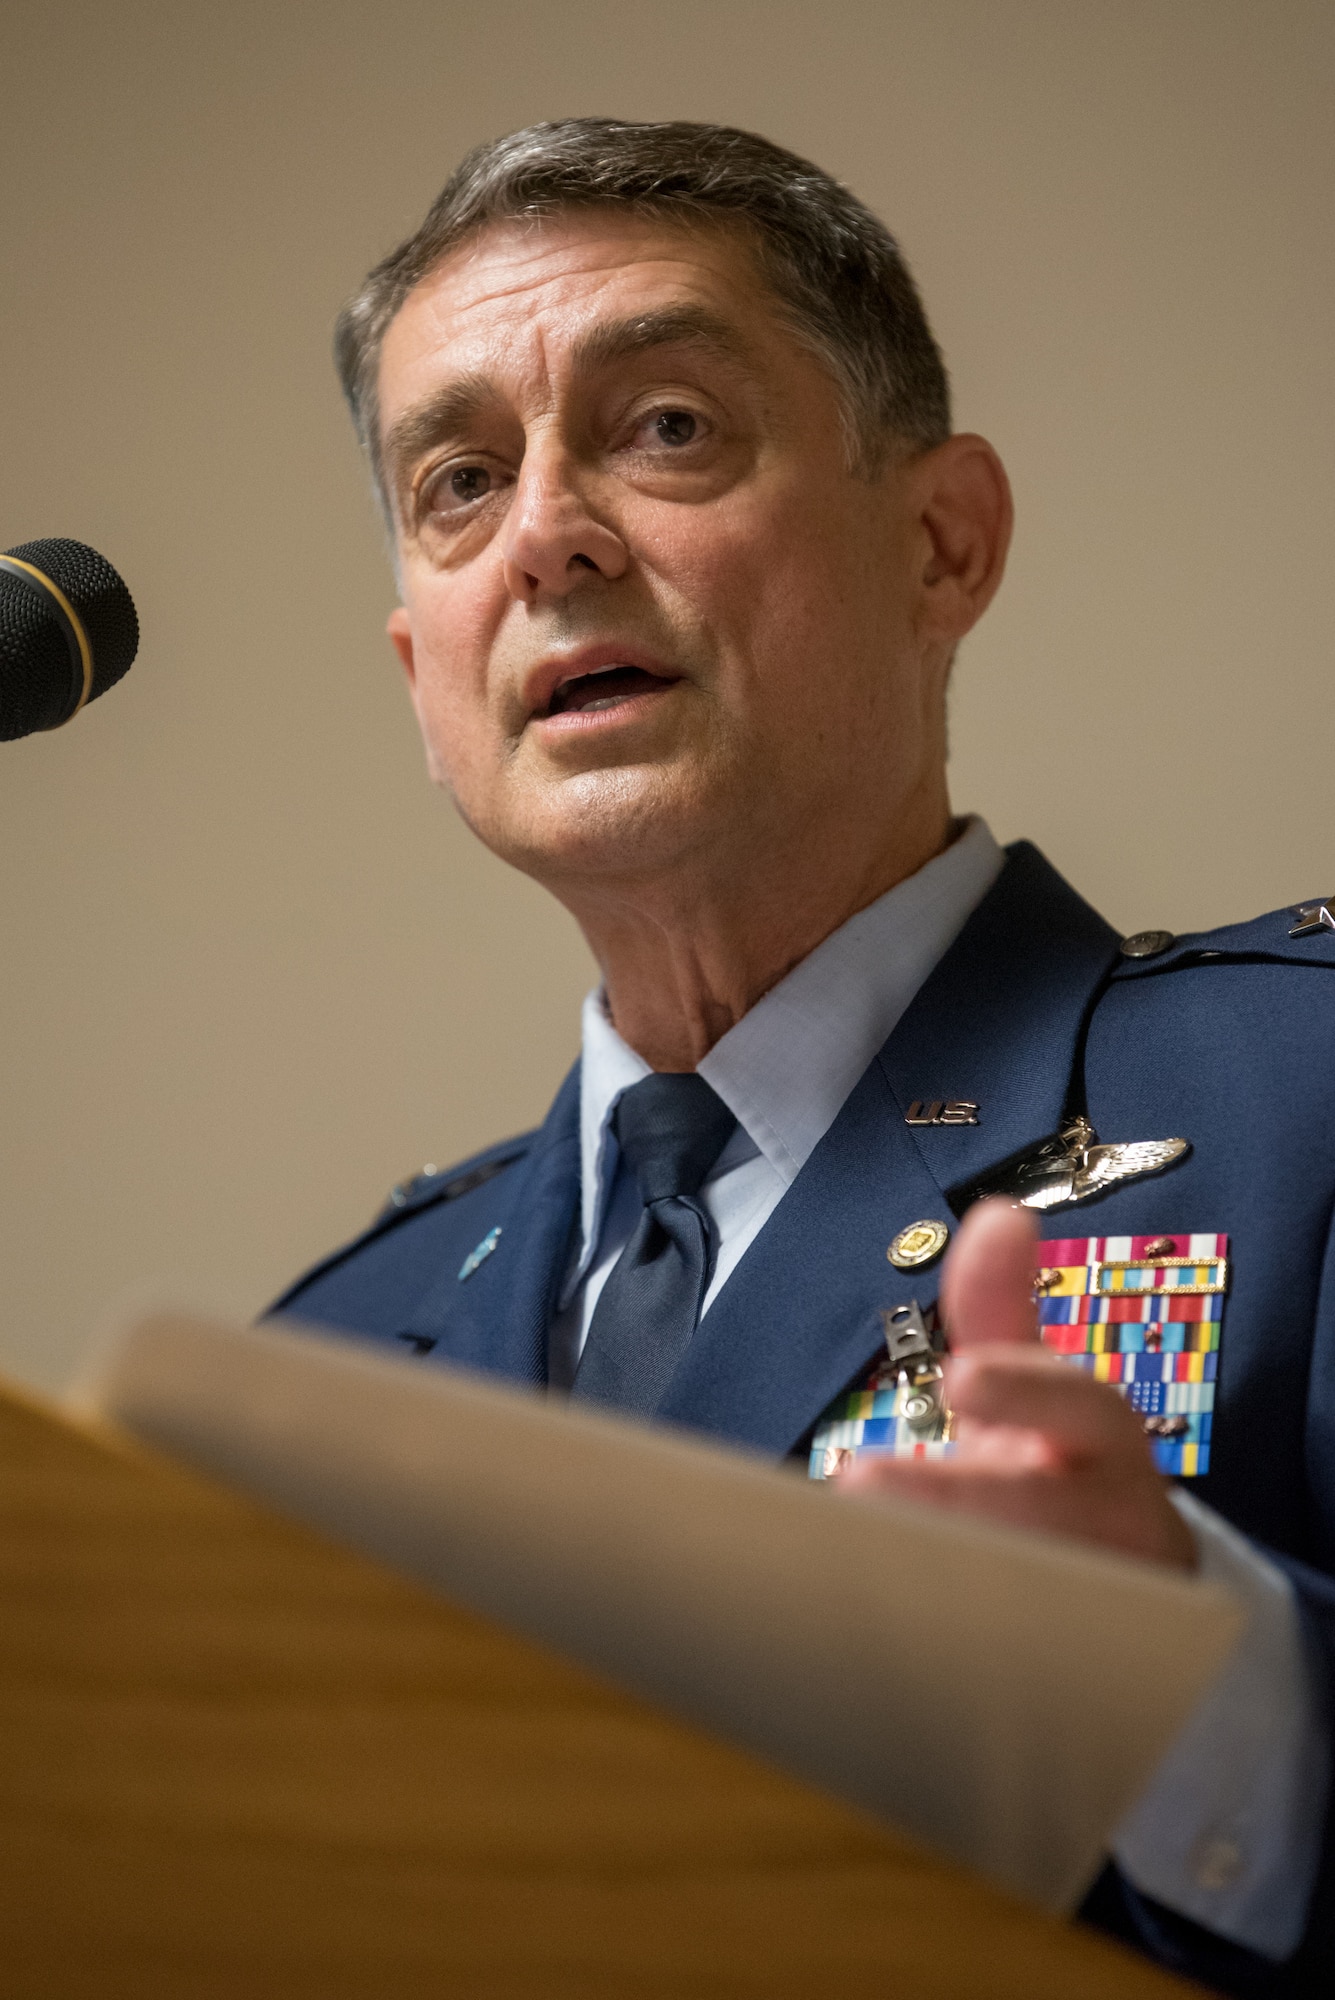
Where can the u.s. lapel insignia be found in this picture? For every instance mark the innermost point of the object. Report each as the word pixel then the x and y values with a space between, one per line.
pixel 942 1111
pixel 1143 1313
pixel 1070 1166
pixel 899 1409
pixel 481 1254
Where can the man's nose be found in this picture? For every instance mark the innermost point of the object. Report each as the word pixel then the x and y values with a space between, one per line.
pixel 552 539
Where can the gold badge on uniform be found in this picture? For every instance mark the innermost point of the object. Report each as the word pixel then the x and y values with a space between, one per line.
pixel 921 1243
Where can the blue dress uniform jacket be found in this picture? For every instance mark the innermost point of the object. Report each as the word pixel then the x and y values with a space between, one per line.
pixel 1222 1038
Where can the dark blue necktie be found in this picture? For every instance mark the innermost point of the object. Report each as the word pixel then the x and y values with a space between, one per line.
pixel 671 1128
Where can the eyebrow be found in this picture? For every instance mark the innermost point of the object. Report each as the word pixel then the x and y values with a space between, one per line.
pixel 671 326
pixel 452 407
pixel 426 423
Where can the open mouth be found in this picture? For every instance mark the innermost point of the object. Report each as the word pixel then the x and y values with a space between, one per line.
pixel 604 688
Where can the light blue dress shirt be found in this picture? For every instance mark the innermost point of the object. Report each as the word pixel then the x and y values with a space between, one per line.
pixel 1228 1832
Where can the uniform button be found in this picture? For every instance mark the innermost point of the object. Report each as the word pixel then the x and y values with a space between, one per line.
pixel 401 1194
pixel 1217 1863
pixel 1147 944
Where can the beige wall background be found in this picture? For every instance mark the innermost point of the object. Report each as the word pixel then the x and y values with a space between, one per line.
pixel 251 968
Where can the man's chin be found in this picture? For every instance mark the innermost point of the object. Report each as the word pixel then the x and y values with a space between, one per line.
pixel 617 822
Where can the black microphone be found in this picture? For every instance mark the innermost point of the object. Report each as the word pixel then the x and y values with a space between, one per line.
pixel 68 631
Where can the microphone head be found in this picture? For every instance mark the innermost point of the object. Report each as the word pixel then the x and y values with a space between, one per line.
pixel 68 631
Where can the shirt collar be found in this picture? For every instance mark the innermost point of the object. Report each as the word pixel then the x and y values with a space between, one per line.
pixel 787 1066
pixel 608 1068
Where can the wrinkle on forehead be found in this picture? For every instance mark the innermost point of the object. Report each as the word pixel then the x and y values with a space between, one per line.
pixel 470 302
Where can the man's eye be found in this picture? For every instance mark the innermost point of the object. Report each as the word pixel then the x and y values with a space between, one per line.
pixel 459 487
pixel 676 427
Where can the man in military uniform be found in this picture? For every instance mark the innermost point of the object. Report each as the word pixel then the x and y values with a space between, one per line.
pixel 686 546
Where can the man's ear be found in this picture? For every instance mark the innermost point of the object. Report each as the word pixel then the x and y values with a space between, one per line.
pixel 966 513
pixel 399 627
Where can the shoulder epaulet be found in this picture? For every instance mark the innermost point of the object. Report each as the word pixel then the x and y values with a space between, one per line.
pixel 435 1184
pixel 1300 934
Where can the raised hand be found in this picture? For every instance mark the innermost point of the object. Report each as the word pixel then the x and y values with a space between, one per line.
pixel 1039 1444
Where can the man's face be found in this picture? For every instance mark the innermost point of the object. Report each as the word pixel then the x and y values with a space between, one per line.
pixel 650 617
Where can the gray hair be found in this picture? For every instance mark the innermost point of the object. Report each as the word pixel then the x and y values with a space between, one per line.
pixel 832 265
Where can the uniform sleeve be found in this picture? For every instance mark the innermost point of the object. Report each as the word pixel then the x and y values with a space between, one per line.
pixel 1229 1832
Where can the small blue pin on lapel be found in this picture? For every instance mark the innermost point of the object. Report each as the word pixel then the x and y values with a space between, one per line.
pixel 480 1255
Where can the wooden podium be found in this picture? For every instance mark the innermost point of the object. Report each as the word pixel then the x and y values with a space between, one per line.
pixel 241 1762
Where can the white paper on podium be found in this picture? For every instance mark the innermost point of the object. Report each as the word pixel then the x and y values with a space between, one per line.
pixel 1000 1696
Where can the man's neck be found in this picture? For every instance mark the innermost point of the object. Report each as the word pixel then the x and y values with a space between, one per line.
pixel 683 961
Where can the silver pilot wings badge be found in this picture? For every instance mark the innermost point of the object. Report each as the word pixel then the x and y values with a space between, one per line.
pixel 1074 1166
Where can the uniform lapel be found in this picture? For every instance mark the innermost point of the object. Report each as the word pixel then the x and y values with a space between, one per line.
pixel 497 1318
pixel 798 1319
pixel 999 1022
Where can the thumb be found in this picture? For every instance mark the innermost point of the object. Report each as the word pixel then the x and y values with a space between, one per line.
pixel 987 1287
